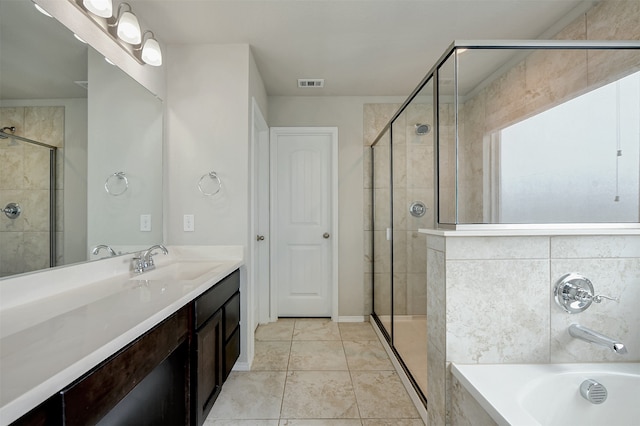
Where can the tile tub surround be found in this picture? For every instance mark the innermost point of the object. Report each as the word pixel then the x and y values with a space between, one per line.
pixel 495 294
pixel 55 325
pixel 316 372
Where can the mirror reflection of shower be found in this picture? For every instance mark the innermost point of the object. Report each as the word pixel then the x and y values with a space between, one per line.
pixel 28 195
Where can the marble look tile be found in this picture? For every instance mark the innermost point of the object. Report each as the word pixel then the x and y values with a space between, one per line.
pixel 416 252
pixel 465 410
pixel 498 248
pixel 505 98
pixel 612 277
pixel 319 395
pixel 381 394
pixel 357 331
pixel 368 252
pixel 271 355
pixel 552 76
pixel 572 247
pixel 35 210
pixel 436 386
pixel 382 293
pixel 12 117
pixel 382 209
pixel 36 168
pixel 317 355
pixel 420 165
pixel 400 294
pixel 382 252
pixel 266 389
pixel 381 166
pixel 399 251
pixel 375 117
pixel 316 329
pixel 321 422
pixel 35 251
pixel 436 299
pixel 11 253
pixel 368 294
pixel 12 160
pixel 392 422
pixel 435 242
pixel 367 181
pixel 45 124
pixel 279 330
pixel 477 331
pixel 417 293
pixel 11 196
pixel 366 355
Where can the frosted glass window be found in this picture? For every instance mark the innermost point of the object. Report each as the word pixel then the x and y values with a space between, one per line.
pixel 576 162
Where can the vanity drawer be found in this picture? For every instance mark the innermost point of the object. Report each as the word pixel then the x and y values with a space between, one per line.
pixel 214 298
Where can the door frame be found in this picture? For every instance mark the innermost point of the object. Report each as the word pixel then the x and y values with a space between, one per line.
pixel 333 133
pixel 260 274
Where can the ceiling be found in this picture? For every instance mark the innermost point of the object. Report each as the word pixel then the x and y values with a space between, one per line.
pixel 360 47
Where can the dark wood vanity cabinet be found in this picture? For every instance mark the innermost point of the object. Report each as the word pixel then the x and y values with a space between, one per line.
pixel 171 375
pixel 216 343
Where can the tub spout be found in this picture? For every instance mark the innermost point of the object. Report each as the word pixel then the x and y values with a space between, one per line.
pixel 588 335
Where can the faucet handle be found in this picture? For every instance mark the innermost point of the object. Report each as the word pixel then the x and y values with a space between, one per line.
pixel 598 298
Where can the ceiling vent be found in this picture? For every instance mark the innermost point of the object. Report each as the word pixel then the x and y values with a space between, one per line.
pixel 310 82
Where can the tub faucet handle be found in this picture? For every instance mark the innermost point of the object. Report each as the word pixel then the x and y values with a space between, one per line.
pixel 598 298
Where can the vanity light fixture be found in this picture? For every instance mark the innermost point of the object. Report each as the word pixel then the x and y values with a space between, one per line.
pixel 127 25
pixel 41 10
pixel 149 50
pixel 79 38
pixel 102 8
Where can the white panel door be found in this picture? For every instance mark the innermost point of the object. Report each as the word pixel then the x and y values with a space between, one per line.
pixel 302 212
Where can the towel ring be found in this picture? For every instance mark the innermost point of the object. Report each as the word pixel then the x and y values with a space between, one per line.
pixel 214 177
pixel 111 180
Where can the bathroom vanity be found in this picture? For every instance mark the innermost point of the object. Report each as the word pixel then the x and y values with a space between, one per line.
pixel 153 348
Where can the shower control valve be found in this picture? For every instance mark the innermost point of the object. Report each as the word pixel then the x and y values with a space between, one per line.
pixel 574 293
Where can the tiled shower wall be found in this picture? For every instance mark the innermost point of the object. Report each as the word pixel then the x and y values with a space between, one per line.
pixel 412 181
pixel 24 179
pixel 544 79
pixel 490 301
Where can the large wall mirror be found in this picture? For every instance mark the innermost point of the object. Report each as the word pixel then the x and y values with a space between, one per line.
pixel 106 187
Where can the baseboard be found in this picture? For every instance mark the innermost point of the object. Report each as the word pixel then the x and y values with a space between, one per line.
pixel 417 402
pixel 242 366
pixel 352 319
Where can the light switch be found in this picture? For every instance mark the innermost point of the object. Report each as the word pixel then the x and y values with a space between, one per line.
pixel 188 223
pixel 145 222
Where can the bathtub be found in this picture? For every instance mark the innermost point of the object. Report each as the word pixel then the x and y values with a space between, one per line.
pixel 549 394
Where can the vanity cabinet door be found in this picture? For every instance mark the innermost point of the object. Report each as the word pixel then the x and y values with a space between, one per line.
pixel 231 333
pixel 208 373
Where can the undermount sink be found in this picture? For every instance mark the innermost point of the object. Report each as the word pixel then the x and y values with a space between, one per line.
pixel 179 271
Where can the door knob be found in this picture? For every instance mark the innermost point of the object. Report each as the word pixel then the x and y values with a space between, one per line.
pixel 259 237
pixel 326 235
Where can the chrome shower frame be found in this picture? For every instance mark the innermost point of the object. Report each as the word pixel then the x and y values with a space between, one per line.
pixel 53 151
pixel 456 48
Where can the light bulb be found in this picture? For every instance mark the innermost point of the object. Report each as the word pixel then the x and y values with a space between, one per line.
pixel 151 53
pixel 102 8
pixel 129 28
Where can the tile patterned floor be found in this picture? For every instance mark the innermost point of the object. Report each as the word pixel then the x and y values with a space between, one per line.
pixel 314 372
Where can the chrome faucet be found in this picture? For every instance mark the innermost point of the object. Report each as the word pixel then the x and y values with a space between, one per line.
pixel 144 261
pixel 588 335
pixel 97 249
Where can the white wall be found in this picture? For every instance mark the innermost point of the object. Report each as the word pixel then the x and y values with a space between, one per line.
pixel 208 121
pixel 347 114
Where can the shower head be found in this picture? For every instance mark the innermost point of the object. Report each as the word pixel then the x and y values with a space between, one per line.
pixel 422 129
pixel 4 134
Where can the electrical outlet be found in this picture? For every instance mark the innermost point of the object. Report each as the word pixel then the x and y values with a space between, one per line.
pixel 145 222
pixel 188 223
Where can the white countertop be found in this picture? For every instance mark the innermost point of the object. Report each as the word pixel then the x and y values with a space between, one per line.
pixel 46 343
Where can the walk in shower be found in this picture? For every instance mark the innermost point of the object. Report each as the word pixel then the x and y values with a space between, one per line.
pixel 497 135
pixel 27 198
